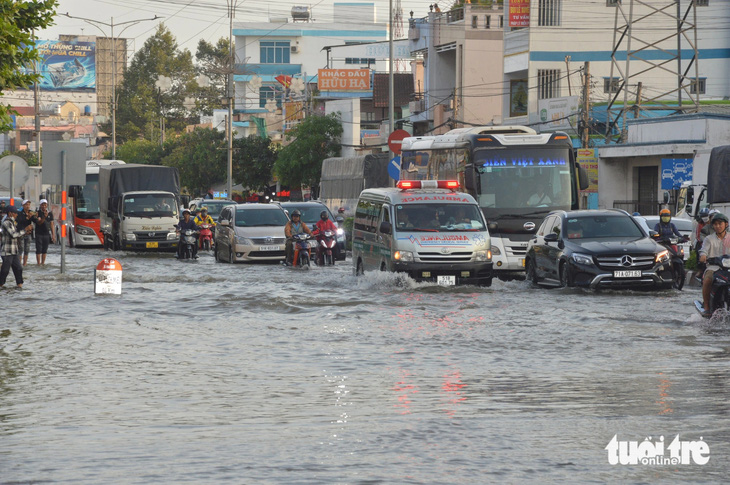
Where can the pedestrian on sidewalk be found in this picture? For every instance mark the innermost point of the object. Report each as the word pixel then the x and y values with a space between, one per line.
pixel 12 237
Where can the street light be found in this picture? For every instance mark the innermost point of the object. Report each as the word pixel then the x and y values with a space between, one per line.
pixel 111 25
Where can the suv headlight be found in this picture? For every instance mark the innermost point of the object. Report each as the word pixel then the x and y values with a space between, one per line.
pixel 404 256
pixel 244 241
pixel 662 257
pixel 582 258
pixel 130 236
pixel 484 255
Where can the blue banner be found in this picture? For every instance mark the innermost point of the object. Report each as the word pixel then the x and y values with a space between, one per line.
pixel 676 171
pixel 66 65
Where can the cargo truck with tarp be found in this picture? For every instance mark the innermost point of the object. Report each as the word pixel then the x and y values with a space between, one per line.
pixel 139 206
pixel 343 178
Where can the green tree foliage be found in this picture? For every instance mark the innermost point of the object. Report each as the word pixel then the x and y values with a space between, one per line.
pixel 18 18
pixel 200 157
pixel 253 162
pixel 31 158
pixel 315 138
pixel 141 104
pixel 213 61
pixel 140 151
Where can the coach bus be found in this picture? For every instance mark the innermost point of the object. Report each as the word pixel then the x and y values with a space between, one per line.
pixel 516 175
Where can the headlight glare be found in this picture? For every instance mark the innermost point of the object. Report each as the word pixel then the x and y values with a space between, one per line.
pixel 404 256
pixel 662 257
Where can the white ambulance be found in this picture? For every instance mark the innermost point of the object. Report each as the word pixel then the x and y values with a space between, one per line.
pixel 424 228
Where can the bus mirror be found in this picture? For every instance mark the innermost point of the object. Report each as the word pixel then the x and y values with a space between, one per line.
pixel 582 176
pixel 469 177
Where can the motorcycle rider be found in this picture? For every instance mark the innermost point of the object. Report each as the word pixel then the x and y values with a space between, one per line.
pixel 185 224
pixel 702 220
pixel 714 245
pixel 665 227
pixel 322 225
pixel 294 226
pixel 203 217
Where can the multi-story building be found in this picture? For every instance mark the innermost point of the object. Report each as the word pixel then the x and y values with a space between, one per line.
pixel 462 61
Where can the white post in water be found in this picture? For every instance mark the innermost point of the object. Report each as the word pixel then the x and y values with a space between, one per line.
pixel 108 277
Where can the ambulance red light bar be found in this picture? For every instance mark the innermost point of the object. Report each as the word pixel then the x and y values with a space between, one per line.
pixel 427 184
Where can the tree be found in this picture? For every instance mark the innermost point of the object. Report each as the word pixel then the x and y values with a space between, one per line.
pixel 200 158
pixel 140 151
pixel 31 158
pixel 317 137
pixel 18 18
pixel 141 104
pixel 253 162
pixel 213 61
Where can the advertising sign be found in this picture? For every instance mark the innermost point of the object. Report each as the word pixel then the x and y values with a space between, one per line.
pixel 66 65
pixel 676 171
pixel 344 80
pixel 518 97
pixel 519 13
pixel 558 113
pixel 588 159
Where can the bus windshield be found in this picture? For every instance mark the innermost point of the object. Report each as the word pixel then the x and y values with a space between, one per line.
pixel 524 178
pixel 150 205
pixel 87 198
pixel 434 217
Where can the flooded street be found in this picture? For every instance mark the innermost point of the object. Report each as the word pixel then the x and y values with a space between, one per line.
pixel 205 372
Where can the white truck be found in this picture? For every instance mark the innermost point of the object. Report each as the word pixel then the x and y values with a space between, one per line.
pixel 710 186
pixel 138 206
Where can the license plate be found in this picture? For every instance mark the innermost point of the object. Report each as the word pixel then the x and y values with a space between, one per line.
pixel 270 248
pixel 627 274
pixel 152 245
pixel 447 280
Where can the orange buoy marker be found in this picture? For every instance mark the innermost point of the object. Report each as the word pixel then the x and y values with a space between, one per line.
pixel 108 277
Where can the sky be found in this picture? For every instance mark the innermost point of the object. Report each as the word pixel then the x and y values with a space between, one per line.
pixel 192 20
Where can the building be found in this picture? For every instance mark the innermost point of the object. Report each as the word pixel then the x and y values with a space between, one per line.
pixel 462 55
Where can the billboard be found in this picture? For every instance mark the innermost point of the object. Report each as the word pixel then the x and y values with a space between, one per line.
pixel 558 113
pixel 344 80
pixel 675 172
pixel 66 65
pixel 588 159
pixel 519 13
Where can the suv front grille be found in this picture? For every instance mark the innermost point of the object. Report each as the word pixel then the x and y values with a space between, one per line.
pixel 626 261
pixel 266 241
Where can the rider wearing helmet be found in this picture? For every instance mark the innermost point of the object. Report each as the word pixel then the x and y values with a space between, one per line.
pixel 294 226
pixel 185 224
pixel 323 224
pixel 714 245
pixel 665 227
pixel 203 217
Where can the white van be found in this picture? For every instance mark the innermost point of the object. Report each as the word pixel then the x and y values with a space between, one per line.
pixel 424 228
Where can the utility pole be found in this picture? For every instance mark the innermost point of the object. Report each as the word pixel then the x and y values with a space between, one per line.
pixel 391 94
pixel 586 103
pixel 231 95
pixel 36 111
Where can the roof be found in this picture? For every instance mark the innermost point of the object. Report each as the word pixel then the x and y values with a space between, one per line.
pixel 24 110
pixel 402 87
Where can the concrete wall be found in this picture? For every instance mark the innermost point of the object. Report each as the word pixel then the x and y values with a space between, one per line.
pixel 349 110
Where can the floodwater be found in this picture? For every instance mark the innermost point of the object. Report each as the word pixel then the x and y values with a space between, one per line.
pixel 203 372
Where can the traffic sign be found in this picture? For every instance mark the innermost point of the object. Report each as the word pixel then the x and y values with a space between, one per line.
pixel 394 168
pixel 20 171
pixel 395 140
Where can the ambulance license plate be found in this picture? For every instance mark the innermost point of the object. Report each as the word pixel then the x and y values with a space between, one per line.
pixel 446 280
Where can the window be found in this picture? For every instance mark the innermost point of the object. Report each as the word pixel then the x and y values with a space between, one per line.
pixel 548 13
pixel 548 83
pixel 360 60
pixel 501 21
pixel 474 21
pixel 611 3
pixel 702 3
pixel 610 84
pixel 266 93
pixel 700 86
pixel 275 52
pixel 487 21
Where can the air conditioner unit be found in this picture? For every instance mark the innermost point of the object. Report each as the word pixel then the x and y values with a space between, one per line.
pixel 295 49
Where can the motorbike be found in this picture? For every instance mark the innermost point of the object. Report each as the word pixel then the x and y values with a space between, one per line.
pixel 206 237
pixel 720 291
pixel 187 244
pixel 676 258
pixel 326 242
pixel 301 250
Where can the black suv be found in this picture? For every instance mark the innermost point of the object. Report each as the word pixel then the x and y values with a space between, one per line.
pixel 596 249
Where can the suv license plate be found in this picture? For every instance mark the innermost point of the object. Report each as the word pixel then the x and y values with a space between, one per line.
pixel 152 245
pixel 270 248
pixel 447 280
pixel 627 274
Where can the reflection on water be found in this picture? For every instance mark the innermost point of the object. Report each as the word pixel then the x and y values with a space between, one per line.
pixel 211 372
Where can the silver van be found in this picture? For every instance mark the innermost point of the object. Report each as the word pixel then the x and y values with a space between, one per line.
pixel 423 228
pixel 250 232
